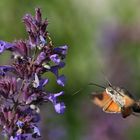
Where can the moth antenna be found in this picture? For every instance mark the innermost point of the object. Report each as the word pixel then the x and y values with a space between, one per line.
pixel 109 83
pixel 91 83
pixel 106 79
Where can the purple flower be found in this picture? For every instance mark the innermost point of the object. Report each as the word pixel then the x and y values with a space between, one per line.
pixel 36 28
pixel 59 107
pixel 55 58
pixel 22 83
pixel 4 69
pixel 61 50
pixel 42 41
pixel 41 57
pixel 38 16
pixel 36 81
pixel 54 70
pixel 43 82
pixel 31 98
pixel 61 80
pixel 39 83
pixel 52 97
pixel 36 132
pixel 20 124
pixel 20 48
pixel 8 87
pixel 18 137
pixel 5 45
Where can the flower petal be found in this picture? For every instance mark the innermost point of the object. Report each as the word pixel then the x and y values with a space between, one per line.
pixel 20 124
pixel 18 137
pixel 61 80
pixel 60 108
pixel 36 81
pixel 36 132
pixel 61 65
pixel 31 98
pixel 42 41
pixel 55 58
pixel 4 69
pixel 54 70
pixel 5 45
pixel 61 50
pixel 43 82
pixel 53 97
pixel 38 15
pixel 40 58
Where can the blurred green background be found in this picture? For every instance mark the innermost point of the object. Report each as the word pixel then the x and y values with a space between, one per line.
pixel 104 41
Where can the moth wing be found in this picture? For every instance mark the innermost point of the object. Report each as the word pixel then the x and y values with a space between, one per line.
pixel 100 99
pixel 112 107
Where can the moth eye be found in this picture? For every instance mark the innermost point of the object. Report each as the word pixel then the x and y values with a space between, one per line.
pixel 111 92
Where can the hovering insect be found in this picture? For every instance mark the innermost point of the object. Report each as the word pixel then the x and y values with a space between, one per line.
pixel 116 100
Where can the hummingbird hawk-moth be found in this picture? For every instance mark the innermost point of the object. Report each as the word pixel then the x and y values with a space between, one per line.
pixel 116 100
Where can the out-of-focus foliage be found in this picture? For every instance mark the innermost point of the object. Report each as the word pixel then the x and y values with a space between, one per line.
pixel 103 39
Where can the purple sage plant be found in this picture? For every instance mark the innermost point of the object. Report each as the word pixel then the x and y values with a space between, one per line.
pixel 22 84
